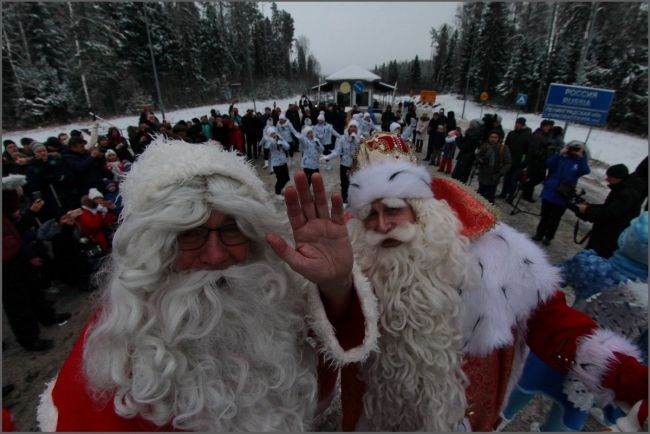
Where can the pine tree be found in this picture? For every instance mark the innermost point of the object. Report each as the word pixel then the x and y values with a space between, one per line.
pixel 415 75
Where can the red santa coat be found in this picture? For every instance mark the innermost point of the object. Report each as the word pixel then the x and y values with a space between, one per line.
pixel 518 307
pixel 67 404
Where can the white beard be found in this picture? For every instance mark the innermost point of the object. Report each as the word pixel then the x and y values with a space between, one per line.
pixel 221 351
pixel 416 382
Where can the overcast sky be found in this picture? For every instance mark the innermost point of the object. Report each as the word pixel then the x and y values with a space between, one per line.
pixel 366 33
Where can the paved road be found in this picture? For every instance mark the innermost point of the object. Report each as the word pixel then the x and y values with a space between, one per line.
pixel 30 371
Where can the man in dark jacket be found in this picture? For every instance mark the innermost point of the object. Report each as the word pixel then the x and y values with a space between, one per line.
pixel 494 162
pixel 86 167
pixel 250 129
pixel 467 150
pixel 517 141
pixel 622 204
pixel 536 156
pixel 387 118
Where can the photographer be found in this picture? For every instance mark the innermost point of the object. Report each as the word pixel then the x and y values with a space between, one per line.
pixel 564 170
pixel 622 204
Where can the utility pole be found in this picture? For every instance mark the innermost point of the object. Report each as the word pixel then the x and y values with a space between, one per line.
pixel 153 62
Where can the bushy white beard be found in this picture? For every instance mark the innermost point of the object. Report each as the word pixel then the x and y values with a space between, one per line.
pixel 219 351
pixel 415 382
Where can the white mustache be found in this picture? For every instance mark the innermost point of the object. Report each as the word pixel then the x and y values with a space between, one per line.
pixel 404 233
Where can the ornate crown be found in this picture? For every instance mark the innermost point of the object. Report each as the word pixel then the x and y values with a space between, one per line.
pixel 381 146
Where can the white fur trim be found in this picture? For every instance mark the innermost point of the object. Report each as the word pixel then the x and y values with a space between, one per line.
pixel 328 345
pixel 13 181
pixel 390 178
pixel 353 123
pixel 515 277
pixel 394 126
pixel 47 414
pixel 593 356
pixel 169 162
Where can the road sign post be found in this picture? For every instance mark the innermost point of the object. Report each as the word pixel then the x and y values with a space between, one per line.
pixel 521 101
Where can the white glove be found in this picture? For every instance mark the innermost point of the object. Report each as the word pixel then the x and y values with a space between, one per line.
pixel 323 158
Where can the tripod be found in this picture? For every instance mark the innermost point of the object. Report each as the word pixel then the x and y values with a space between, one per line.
pixel 515 203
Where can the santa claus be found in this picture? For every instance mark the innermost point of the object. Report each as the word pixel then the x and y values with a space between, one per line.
pixel 462 298
pixel 202 325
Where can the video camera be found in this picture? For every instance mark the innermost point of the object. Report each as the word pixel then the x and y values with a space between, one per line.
pixel 575 198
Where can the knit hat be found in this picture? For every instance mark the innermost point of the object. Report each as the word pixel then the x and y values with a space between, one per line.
pixel 93 193
pixel 306 129
pixel 36 146
pixel 110 152
pixel 52 142
pixel 321 117
pixel 394 126
pixel 619 171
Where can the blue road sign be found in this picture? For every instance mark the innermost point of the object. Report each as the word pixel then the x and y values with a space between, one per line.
pixel 581 105
pixel 358 86
pixel 522 99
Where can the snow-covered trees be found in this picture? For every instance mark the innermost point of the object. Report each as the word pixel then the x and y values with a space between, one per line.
pixel 61 58
pixel 523 47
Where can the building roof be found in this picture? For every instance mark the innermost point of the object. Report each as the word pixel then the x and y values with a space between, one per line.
pixel 353 72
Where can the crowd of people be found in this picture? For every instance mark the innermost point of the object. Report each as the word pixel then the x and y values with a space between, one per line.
pixel 418 300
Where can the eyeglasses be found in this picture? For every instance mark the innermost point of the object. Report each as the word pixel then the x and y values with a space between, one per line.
pixel 193 239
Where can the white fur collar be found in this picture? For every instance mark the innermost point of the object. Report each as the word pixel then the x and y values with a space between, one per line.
pixel 515 277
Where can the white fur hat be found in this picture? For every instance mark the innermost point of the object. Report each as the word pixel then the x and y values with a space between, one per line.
pixel 394 126
pixel 353 123
pixel 388 179
pixel 321 117
pixel 93 193
pixel 174 162
pixel 13 181
pixel 271 130
pixel 307 129
pixel 366 115
pixel 282 117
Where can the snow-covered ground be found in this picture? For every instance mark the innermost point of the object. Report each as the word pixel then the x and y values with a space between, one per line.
pixel 606 146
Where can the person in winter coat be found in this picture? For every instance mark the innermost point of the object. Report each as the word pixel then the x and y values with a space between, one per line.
pixel 346 147
pixel 517 141
pixel 367 126
pixel 311 149
pixel 623 203
pixel 535 164
pixel 286 130
pixel 96 218
pixel 22 298
pixel 250 129
pixel 387 118
pixel 220 132
pixel 565 168
pixel 448 152
pixel 451 121
pixel 278 148
pixel 87 167
pixel 236 137
pixel 120 144
pixel 467 151
pixel 265 136
pixel 436 142
pixel 206 127
pixel 49 179
pixel 324 132
pixel 421 132
pixel 494 161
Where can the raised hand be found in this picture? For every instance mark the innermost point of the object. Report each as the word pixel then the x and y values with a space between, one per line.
pixel 323 253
